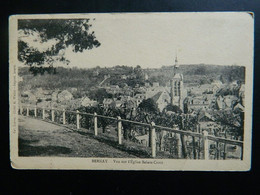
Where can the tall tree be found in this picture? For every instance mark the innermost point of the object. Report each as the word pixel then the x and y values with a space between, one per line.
pixel 149 106
pixel 43 41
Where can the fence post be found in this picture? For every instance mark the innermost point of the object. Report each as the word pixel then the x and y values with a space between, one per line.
pixel 27 111
pixel 194 145
pixel 153 140
pixel 119 129
pixel 52 115
pixel 64 117
pixel 218 150
pixel 95 124
pixel 198 131
pixel 205 145
pixel 43 113
pixel 77 116
pixel 242 152
pixel 21 110
pixel 179 146
pixel 35 111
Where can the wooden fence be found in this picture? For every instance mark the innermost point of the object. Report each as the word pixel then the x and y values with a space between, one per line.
pixel 30 110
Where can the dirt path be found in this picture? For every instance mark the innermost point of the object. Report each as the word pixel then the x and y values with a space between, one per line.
pixel 39 138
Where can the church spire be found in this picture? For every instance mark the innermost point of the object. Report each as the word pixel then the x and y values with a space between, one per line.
pixel 176 65
pixel 176 60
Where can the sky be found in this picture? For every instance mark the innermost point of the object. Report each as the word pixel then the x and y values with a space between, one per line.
pixel 153 40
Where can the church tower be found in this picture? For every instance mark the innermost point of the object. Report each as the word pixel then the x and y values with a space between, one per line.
pixel 177 91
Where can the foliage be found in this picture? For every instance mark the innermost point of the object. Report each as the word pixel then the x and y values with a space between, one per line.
pixel 99 95
pixel 172 108
pixel 62 33
pixel 233 122
pixel 149 106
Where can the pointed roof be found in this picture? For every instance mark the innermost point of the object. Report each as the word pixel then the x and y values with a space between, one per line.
pixel 157 96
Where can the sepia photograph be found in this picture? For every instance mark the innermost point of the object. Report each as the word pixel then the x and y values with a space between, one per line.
pixel 131 91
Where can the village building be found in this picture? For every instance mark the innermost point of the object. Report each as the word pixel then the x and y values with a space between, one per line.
pixel 146 77
pixel 107 102
pixel 156 84
pixel 230 101
pixel 113 89
pixel 95 73
pixel 64 96
pixel 162 99
pixel 139 98
pixel 31 98
pixel 130 104
pixel 147 85
pixel 123 77
pixel 116 104
pixel 197 103
pixel 54 96
pixel 239 108
pixel 217 84
pixel 242 94
pixel 178 93
pixel 226 102
pixel 85 101
pixel 150 92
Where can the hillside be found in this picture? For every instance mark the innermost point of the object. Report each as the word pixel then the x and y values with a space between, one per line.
pixel 84 79
pixel 199 74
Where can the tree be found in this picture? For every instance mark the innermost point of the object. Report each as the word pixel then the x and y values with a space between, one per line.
pixel 148 105
pixel 172 108
pixel 99 95
pixel 57 35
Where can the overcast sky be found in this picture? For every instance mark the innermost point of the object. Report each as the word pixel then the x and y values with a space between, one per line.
pixel 152 40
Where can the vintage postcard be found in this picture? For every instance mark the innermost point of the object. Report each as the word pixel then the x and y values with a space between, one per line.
pixel 131 91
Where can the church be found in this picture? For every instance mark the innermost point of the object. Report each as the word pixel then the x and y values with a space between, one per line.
pixel 177 92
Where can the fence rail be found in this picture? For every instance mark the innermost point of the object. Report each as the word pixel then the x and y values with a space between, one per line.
pixel 152 126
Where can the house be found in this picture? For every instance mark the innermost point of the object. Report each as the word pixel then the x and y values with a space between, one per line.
pixel 139 90
pixel 239 107
pixel 242 94
pixel 205 117
pixel 155 84
pixel 146 77
pixel 147 85
pixel 107 102
pixel 95 73
pixel 207 122
pixel 31 98
pixel 64 96
pixel 44 104
pixel 150 92
pixel 226 102
pixel 116 103
pixel 123 77
pixel 39 93
pixel 130 104
pixel 162 99
pixel 113 89
pixel 217 84
pixel 54 96
pixel 221 103
pixel 72 104
pixel 230 100
pixel 85 101
pixel 197 103
pixel 139 98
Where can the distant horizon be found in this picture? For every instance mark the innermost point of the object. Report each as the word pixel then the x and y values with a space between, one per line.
pixel 77 67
